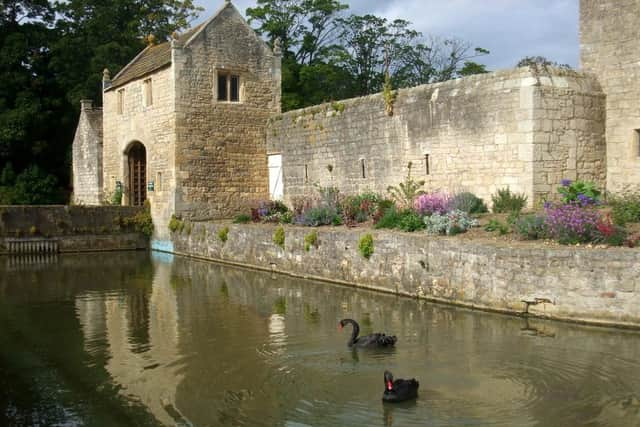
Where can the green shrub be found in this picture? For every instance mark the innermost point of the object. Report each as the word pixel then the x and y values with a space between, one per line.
pixel 242 219
pixel 174 224
pixel 390 219
pixel 223 234
pixel 310 239
pixel 278 237
pixel 322 215
pixel 530 227
pixel 142 221
pixel 495 225
pixel 411 221
pixel 468 202
pixel 365 246
pixel 584 192
pixel 625 208
pixel 359 208
pixel 506 201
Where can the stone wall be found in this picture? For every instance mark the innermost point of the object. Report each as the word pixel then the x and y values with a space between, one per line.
pixel 87 156
pixel 521 128
pixel 72 228
pixel 590 285
pixel 221 150
pixel 610 48
pixel 154 127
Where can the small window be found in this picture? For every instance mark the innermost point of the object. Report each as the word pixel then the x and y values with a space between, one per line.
pixel 363 168
pixel 120 106
pixel 148 93
pixel 228 87
pixel 306 173
pixel 426 164
pixel 636 141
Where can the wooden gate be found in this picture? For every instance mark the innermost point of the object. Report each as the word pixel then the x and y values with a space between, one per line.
pixel 137 174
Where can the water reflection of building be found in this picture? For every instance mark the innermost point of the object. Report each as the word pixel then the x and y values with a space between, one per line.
pixel 137 328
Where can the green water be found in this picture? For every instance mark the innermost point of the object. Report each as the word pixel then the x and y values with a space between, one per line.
pixel 139 339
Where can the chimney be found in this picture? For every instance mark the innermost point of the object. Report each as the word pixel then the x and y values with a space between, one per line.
pixel 106 79
pixel 86 104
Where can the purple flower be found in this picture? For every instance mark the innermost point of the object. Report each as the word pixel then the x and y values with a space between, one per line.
pixel 427 204
pixel 565 182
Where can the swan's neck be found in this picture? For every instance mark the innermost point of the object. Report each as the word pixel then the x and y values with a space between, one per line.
pixel 354 332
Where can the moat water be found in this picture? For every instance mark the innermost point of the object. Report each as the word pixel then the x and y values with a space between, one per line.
pixel 139 339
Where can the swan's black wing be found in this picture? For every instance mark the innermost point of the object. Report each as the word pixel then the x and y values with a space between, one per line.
pixel 402 390
pixel 376 340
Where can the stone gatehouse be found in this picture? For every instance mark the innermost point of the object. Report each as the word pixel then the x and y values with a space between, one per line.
pixel 193 125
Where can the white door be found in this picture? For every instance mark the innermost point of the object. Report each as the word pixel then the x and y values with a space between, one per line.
pixel 276 188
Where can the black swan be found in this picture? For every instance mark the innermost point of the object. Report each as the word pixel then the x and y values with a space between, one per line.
pixel 399 390
pixel 370 341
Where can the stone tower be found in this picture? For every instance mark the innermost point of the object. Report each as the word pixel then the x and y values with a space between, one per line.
pixel 610 48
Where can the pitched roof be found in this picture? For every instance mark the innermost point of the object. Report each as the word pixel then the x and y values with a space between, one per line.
pixel 152 58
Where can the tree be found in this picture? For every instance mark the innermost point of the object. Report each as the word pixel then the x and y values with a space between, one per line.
pixel 370 44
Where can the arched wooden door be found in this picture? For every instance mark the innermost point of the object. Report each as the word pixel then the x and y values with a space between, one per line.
pixel 137 159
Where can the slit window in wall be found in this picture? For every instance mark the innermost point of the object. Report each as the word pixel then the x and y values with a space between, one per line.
pixel 306 173
pixel 148 93
pixel 159 181
pixel 426 164
pixel 363 168
pixel 636 142
pixel 228 87
pixel 120 102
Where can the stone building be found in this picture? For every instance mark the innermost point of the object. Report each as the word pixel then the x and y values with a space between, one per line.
pixel 183 124
pixel 194 126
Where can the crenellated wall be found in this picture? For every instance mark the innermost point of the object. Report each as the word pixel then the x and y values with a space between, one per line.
pixel 524 128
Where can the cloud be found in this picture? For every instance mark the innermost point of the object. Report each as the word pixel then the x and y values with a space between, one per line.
pixel 510 29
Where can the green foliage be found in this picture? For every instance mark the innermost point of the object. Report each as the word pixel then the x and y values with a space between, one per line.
pixel 506 201
pixel 583 192
pixel 338 107
pixel 310 239
pixel 242 219
pixel 410 221
pixel 31 187
pixel 625 208
pixel 405 193
pixel 175 224
pixel 223 234
pixel 496 225
pixel 141 221
pixel 278 237
pixel 530 227
pixel 469 203
pixel 359 208
pixel 390 219
pixel 389 95
pixel 365 246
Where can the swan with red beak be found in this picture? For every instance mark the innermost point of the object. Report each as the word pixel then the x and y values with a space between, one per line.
pixel 399 390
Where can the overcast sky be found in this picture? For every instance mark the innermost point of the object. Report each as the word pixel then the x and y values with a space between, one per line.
pixel 510 29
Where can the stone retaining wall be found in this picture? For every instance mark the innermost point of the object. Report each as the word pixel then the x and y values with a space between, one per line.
pixel 600 286
pixel 68 228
